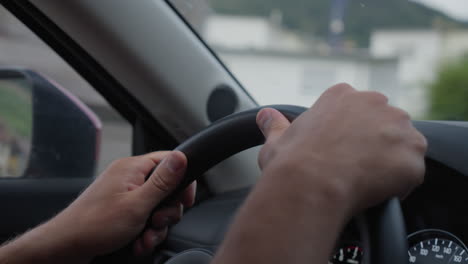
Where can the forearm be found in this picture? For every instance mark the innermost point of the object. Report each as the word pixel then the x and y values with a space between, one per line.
pixel 285 222
pixel 47 243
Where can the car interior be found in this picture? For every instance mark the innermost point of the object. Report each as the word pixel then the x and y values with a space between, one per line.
pixel 149 64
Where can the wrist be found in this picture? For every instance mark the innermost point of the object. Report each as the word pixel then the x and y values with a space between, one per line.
pixel 313 184
pixel 64 243
pixel 69 237
pixel 47 243
pixel 287 207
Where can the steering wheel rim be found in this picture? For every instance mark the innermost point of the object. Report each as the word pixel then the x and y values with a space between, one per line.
pixel 382 227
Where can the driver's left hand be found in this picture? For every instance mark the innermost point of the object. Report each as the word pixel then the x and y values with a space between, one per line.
pixel 114 209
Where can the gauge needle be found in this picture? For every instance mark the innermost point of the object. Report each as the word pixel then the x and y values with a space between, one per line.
pixel 355 252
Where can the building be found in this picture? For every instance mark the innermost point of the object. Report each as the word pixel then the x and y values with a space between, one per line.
pixel 280 77
pixel 280 67
pixel 420 53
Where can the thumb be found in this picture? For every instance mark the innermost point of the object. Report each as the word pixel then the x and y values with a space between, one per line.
pixel 272 123
pixel 165 178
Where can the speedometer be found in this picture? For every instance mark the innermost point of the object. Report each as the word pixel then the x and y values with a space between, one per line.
pixel 433 246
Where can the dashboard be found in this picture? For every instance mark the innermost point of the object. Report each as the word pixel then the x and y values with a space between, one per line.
pixel 435 217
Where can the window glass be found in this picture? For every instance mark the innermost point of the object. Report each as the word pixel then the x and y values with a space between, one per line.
pixel 291 51
pixel 15 126
pixel 20 48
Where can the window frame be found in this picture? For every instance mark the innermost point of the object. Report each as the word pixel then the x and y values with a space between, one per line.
pixel 146 129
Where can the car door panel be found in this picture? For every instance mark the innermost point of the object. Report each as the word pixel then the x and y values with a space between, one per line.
pixel 25 203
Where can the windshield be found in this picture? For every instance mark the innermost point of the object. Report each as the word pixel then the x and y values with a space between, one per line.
pixel 289 52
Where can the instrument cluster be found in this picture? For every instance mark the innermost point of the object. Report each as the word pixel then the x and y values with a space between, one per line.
pixel 436 218
pixel 429 246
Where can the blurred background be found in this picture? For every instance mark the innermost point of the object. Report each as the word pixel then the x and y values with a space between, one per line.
pixel 290 51
pixel 286 51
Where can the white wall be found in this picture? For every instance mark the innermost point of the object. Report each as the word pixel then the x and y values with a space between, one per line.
pixel 300 80
pixel 420 53
pixel 418 50
pixel 454 45
pixel 243 32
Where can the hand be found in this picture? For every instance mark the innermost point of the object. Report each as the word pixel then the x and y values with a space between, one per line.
pixel 351 144
pixel 113 210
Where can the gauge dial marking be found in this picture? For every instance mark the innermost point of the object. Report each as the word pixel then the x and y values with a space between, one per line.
pixel 442 248
pixel 350 254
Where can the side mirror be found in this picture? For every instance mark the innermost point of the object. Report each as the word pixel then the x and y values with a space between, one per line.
pixel 45 131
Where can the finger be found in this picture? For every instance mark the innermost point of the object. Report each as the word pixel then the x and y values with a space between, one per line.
pixel 167 216
pixel 165 178
pixel 148 241
pixel 334 92
pixel 138 247
pixel 154 158
pixel 157 156
pixel 272 123
pixel 188 196
pixel 144 164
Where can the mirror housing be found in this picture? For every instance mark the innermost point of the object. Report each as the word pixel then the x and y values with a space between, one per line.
pixel 65 132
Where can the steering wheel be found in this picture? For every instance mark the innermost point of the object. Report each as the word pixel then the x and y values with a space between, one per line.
pixel 382 228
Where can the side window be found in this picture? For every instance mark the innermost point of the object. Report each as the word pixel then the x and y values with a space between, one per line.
pixel 21 49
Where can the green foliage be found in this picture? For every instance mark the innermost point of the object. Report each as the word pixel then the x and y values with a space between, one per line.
pixel 449 93
pixel 311 17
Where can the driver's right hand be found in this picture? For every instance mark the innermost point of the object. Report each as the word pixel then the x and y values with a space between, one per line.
pixel 352 143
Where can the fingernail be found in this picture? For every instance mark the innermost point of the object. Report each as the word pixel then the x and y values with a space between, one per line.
pixel 173 163
pixel 265 119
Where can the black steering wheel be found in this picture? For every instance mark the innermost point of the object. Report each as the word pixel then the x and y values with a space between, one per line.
pixel 382 228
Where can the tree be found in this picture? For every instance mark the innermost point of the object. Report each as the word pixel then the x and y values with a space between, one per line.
pixel 449 92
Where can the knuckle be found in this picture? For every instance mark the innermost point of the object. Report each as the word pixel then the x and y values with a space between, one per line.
pixel 376 97
pixel 341 88
pixel 122 161
pixel 160 182
pixel 412 166
pixel 390 134
pixel 278 126
pixel 402 114
pixel 369 98
pixel 420 143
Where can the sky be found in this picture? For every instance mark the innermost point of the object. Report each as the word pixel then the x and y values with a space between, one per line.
pixel 455 8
